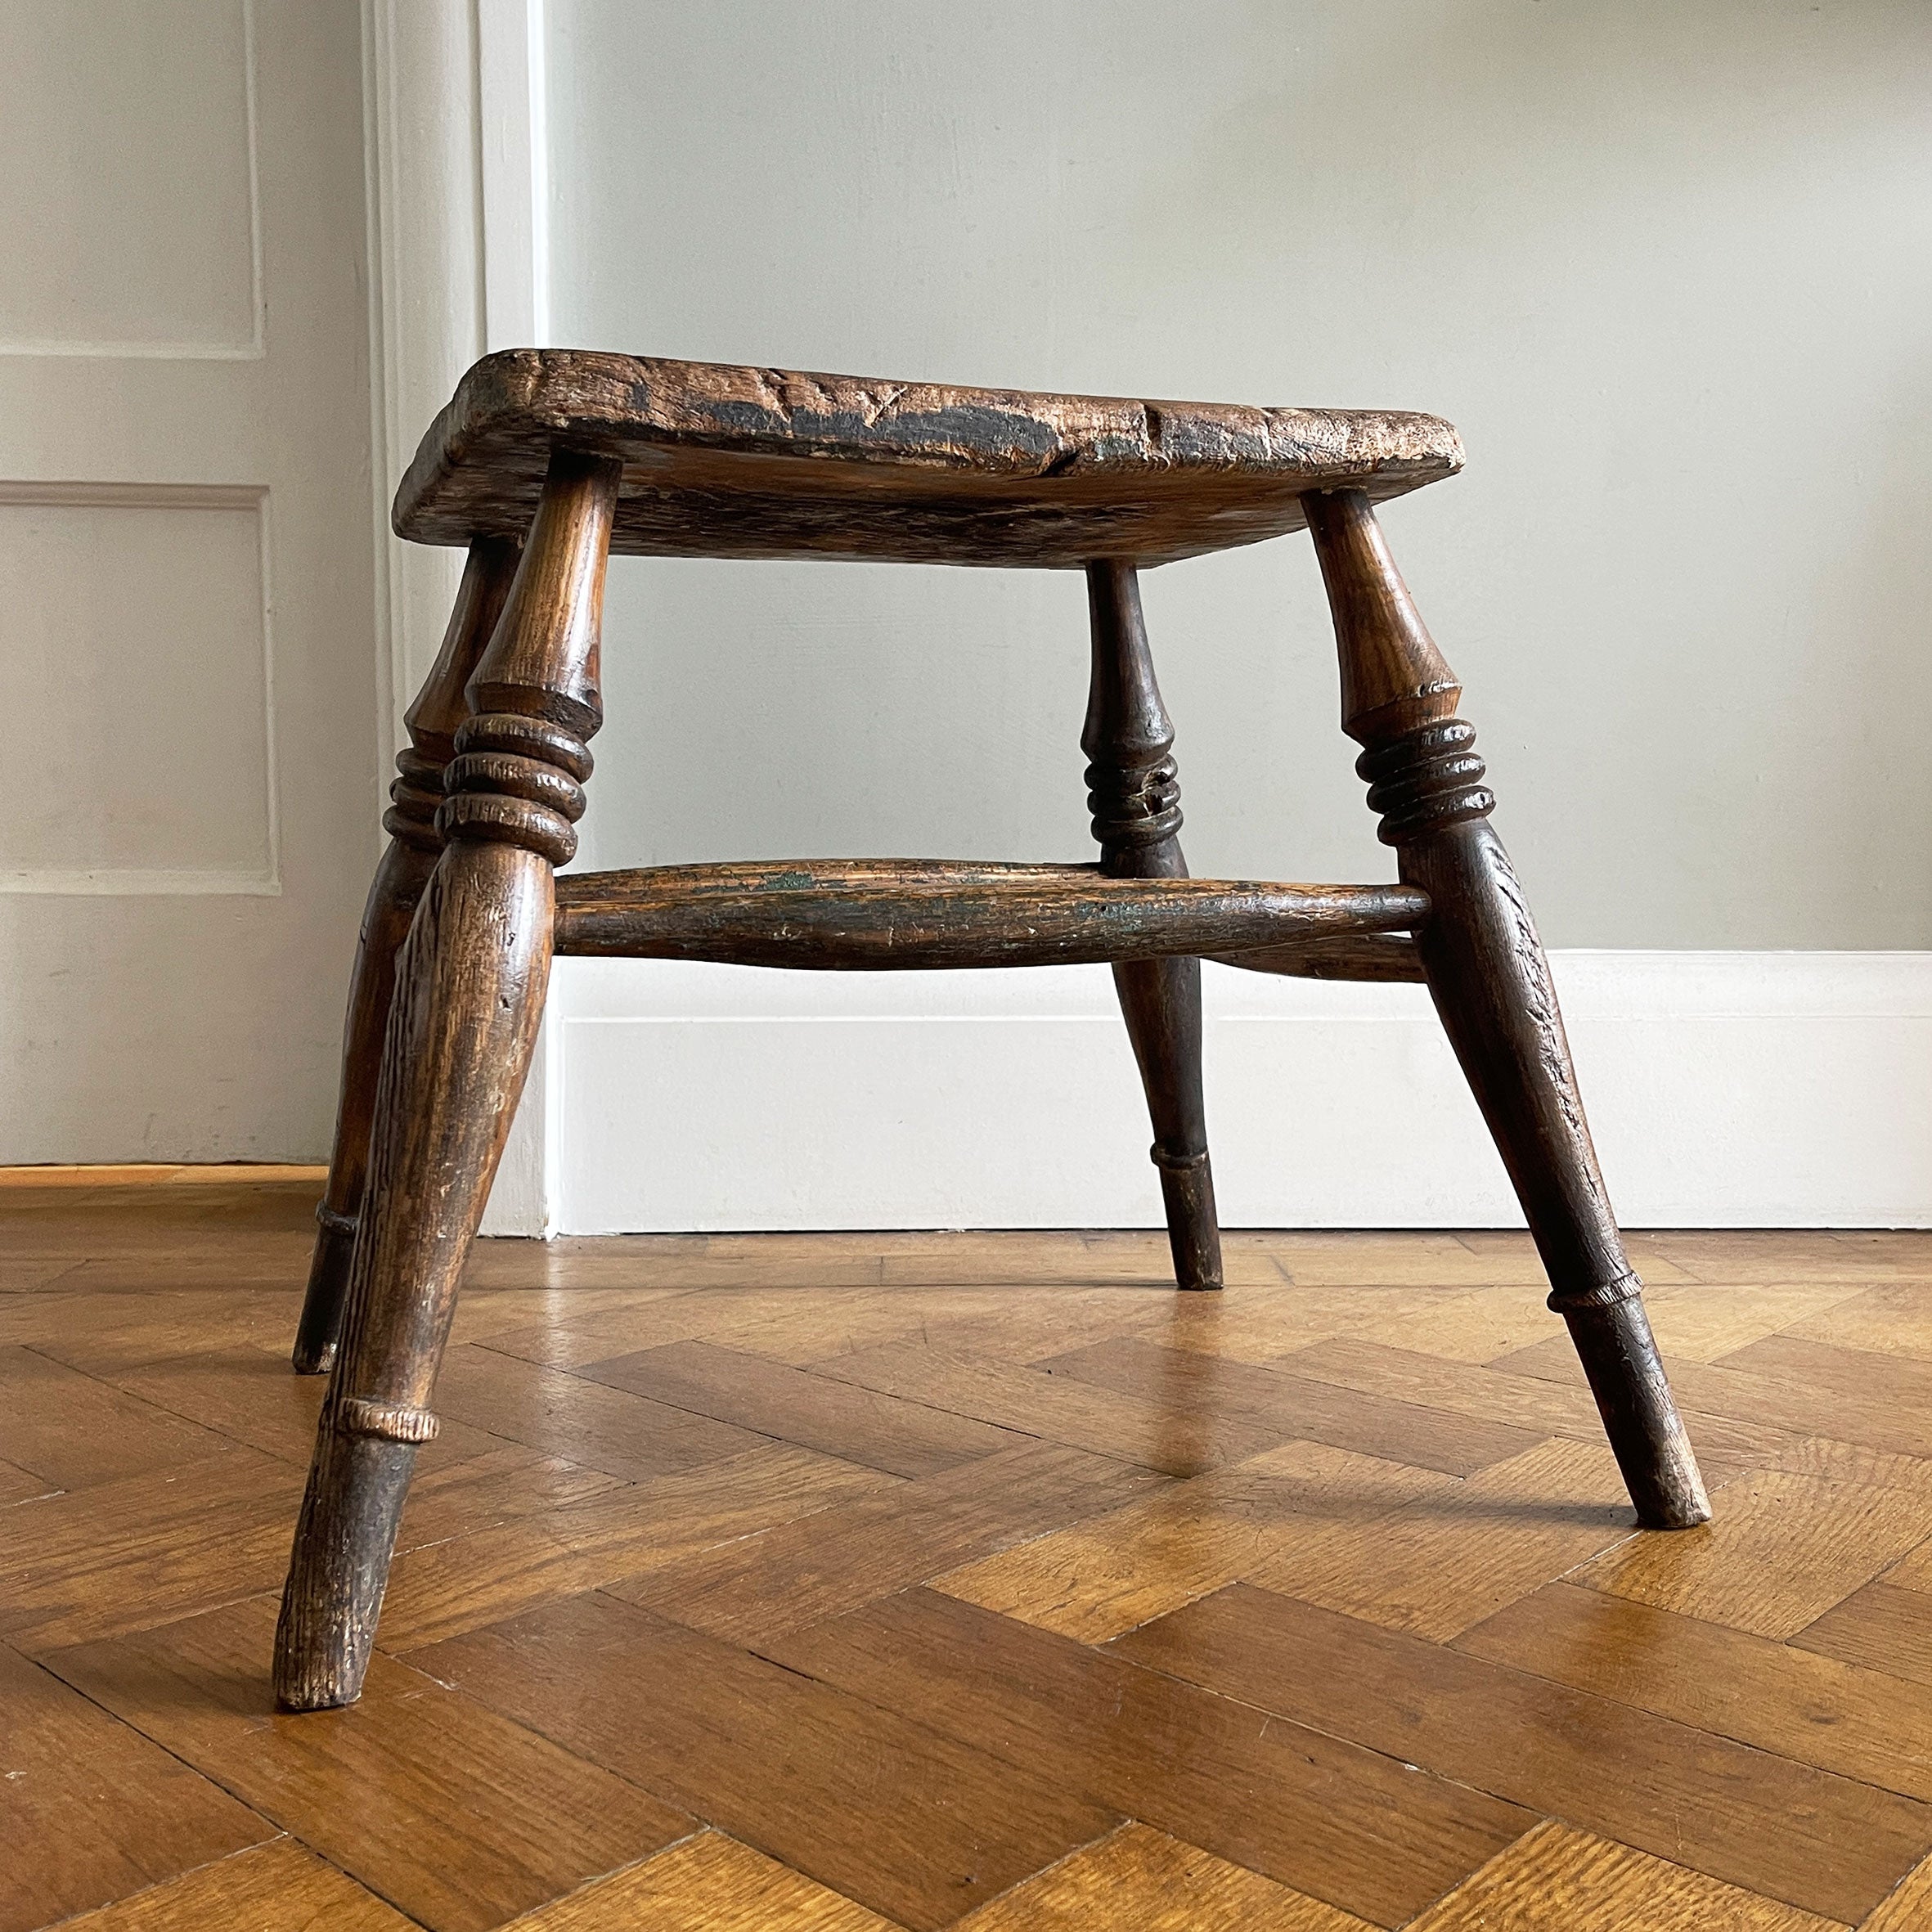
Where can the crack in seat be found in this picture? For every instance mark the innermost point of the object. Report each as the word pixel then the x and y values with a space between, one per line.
pixel 726 461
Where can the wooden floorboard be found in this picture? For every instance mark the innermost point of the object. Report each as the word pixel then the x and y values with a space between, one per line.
pixel 1353 1826
pixel 1573 1880
pixel 867 1583
pixel 1828 1844
pixel 439 1803
pixel 910 1821
pixel 279 1884
pixel 92 1809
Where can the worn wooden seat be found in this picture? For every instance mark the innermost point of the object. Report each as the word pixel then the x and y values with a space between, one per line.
pixel 543 464
pixel 724 461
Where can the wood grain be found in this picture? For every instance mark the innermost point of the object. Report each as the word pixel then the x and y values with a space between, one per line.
pixel 1492 990
pixel 621 1433
pixel 275 1885
pixel 89 1810
pixel 709 1882
pixel 862 1425
pixel 742 462
pixel 1788 1548
pixel 1880 1626
pixel 71 1431
pixel 1805 1837
pixel 1894 1318
pixel 847 1555
pixel 1170 1436
pixel 470 982
pixel 464 1581
pixel 1262 1320
pixel 1700 1323
pixel 433 720
pixel 1877 1383
pixel 458 1816
pixel 1849 1463
pixel 1142 1880
pixel 913 1825
pixel 128 1555
pixel 1811 1707
pixel 1196 1383
pixel 1727 1255
pixel 1739 1760
pixel 103 1328
pixel 1098 1577
pixel 1556 1876
pixel 1454 1556
pixel 1474 1258
pixel 1374 958
pixel 1414 1376
pixel 1343 1824
pixel 1475 1325
pixel 1134 793
pixel 244 1394
pixel 457 1499
pixel 921 914
pixel 1909 1907
pixel 1068 1257
pixel 22 1485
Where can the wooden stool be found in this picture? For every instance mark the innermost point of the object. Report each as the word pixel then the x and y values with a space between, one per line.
pixel 543 463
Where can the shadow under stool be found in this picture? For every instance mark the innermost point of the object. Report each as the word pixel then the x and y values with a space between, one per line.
pixel 544 462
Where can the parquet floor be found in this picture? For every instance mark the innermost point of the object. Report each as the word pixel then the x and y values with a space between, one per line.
pixel 817 1584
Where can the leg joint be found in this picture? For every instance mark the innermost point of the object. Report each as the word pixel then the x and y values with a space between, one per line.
pixel 333 1221
pixel 1133 806
pixel 1626 1287
pixel 392 1420
pixel 1428 778
pixel 1176 1163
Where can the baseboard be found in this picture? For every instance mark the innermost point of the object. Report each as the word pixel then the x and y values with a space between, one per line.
pixel 1726 1089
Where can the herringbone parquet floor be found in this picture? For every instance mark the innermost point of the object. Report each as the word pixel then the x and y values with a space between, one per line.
pixel 849 1582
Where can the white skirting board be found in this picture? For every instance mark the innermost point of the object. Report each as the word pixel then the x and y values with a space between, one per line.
pixel 1725 1089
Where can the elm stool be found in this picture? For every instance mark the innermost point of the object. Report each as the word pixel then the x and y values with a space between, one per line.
pixel 544 462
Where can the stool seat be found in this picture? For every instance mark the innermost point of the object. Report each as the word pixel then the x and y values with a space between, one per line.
pixel 725 461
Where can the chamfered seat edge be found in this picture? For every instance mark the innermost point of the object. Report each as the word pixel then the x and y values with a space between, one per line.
pixel 736 461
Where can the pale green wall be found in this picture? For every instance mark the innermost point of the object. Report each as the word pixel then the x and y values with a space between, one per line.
pixel 1666 263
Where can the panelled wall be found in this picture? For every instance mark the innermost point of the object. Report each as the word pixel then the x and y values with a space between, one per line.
pixel 186 574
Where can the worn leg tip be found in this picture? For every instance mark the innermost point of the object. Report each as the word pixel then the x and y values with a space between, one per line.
pixel 295 1701
pixel 1688 1519
pixel 1684 1511
pixel 310 1358
pixel 312 1669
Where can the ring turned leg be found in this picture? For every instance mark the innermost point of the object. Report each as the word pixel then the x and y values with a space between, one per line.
pixel 471 982
pixel 414 846
pixel 1135 800
pixel 1492 987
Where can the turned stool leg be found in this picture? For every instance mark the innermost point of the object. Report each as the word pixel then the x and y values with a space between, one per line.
pixel 1135 800
pixel 1491 986
pixel 471 982
pixel 414 845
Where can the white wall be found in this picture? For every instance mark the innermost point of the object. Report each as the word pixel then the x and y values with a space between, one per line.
pixel 1665 262
pixel 1667 265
